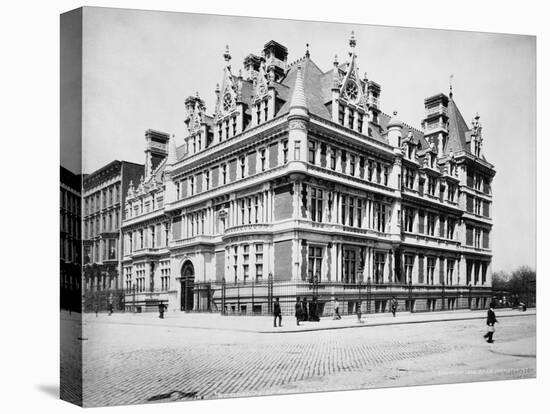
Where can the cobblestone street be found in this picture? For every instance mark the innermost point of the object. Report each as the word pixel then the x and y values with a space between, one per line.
pixel 130 363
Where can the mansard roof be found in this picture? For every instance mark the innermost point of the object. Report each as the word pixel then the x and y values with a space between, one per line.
pixel 313 88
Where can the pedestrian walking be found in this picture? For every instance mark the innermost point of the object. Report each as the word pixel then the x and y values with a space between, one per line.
pixel 393 306
pixel 298 308
pixel 336 309
pixel 162 307
pixel 491 320
pixel 110 308
pixel 304 309
pixel 277 313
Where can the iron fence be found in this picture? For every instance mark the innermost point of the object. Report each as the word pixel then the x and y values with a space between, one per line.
pixel 318 298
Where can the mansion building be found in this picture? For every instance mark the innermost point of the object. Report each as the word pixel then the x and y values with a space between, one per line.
pixel 298 179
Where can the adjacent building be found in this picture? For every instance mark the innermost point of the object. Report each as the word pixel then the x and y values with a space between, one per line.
pixel 299 185
pixel 104 194
pixel 70 240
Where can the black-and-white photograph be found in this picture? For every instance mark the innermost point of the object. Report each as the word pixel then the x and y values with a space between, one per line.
pixel 255 206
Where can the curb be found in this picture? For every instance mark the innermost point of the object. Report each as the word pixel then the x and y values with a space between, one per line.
pixel 375 324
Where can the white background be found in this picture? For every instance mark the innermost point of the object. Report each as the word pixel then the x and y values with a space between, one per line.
pixel 29 163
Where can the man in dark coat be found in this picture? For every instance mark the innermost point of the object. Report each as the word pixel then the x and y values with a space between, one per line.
pixel 161 310
pixel 393 306
pixel 304 309
pixel 491 320
pixel 277 313
pixel 298 308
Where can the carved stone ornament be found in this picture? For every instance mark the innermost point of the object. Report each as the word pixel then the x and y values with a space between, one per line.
pixel 297 124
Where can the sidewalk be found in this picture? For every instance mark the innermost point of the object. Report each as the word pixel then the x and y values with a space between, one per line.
pixel 264 324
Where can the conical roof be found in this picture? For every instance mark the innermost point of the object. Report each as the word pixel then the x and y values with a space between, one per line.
pixel 298 104
pixel 394 121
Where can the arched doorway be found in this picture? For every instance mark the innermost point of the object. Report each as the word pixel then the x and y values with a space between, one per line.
pixel 187 285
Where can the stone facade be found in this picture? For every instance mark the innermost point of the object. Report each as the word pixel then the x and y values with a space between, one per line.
pixel 298 177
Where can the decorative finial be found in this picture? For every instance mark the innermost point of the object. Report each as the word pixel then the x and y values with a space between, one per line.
pixel 451 86
pixel 365 77
pixel 335 60
pixel 227 55
pixel 197 94
pixel 394 112
pixel 307 49
pixel 352 41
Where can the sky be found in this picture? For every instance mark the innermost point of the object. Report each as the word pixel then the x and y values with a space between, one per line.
pixel 139 66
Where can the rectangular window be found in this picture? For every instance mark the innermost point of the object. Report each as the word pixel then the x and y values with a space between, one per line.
pixel 343 209
pixel 380 216
pixel 235 261
pixel 451 189
pixel 316 205
pixel 431 224
pixel 259 262
pixel 242 211
pixel 246 262
pixel 207 179
pixel 285 151
pixel 352 165
pixel 379 263
pixel 430 270
pixel 386 175
pixel 477 206
pixel 408 214
pixel 312 148
pixel 408 267
pixel 359 213
pixel 333 159
pixel 431 186
pixel 296 150
pixel 350 266
pixel 451 229
pixel 315 262
pixel 450 271
pixel 351 208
